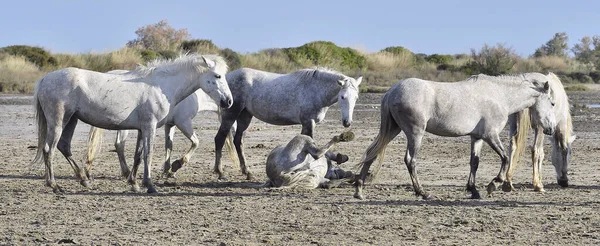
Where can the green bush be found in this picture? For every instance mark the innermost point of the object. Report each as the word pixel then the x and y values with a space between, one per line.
pixel 577 88
pixel 323 53
pixel 233 59
pixel 397 50
pixel 200 46
pixel 168 54
pixel 439 59
pixel 581 77
pixel 36 55
pixel 149 55
pixel 595 75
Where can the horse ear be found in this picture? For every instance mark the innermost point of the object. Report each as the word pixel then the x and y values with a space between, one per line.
pixel 358 80
pixel 209 63
pixel 341 82
pixel 546 86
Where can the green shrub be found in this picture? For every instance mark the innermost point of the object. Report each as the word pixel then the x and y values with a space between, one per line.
pixel 581 77
pixel 577 88
pixel 168 54
pixel 200 46
pixel 595 75
pixel 323 53
pixel 36 55
pixel 149 55
pixel 397 50
pixel 233 58
pixel 439 59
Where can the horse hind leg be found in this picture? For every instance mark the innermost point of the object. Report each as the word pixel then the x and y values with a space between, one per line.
pixel 496 144
pixel 227 120
pixel 169 135
pixel 64 146
pixel 120 147
pixel 476 145
pixel 243 122
pixel 187 130
pixel 414 139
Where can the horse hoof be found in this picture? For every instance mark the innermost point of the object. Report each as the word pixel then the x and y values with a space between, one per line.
pixel 126 174
pixel 475 195
pixel 57 190
pixel 222 178
pixel 249 176
pixel 491 188
pixel 85 183
pixel 563 182
pixel 428 197
pixel 152 190
pixel 507 187
pixel 341 158
pixel 539 189
pixel 135 188
pixel 176 165
pixel 359 196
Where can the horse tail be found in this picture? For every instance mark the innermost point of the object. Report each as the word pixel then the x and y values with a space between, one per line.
pixel 388 129
pixel 303 179
pixel 42 126
pixel 95 138
pixel 229 145
pixel 521 136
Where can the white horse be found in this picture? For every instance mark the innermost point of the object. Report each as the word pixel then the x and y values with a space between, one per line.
pixel 561 142
pixel 478 107
pixel 140 99
pixel 181 116
pixel 301 163
pixel 302 97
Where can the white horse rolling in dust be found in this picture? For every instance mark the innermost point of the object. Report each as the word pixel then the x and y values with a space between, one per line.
pixel 301 163
pixel 181 116
pixel 478 107
pixel 562 139
pixel 302 97
pixel 140 100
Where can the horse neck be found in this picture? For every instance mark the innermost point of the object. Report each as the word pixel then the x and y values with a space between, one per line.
pixel 177 87
pixel 516 97
pixel 330 91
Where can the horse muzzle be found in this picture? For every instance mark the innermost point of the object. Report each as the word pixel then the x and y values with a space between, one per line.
pixel 549 131
pixel 226 103
pixel 346 123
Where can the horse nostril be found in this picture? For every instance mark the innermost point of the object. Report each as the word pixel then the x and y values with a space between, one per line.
pixel 229 101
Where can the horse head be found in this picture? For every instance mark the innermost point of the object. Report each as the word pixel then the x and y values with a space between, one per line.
pixel 347 98
pixel 213 81
pixel 543 110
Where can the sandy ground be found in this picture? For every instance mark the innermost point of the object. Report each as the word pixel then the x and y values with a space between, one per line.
pixel 199 210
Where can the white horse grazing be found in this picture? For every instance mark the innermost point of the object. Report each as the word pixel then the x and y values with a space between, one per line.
pixel 302 97
pixel 478 107
pixel 140 99
pixel 302 164
pixel 561 142
pixel 181 116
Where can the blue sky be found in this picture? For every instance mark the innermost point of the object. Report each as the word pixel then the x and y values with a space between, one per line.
pixel 446 27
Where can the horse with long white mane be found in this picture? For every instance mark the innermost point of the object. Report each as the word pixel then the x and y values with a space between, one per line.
pixel 562 139
pixel 478 107
pixel 301 163
pixel 302 97
pixel 140 100
pixel 181 116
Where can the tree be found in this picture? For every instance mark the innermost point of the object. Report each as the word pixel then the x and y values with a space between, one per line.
pixel 557 46
pixel 588 50
pixel 159 36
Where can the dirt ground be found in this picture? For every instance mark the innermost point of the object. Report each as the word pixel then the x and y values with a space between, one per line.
pixel 198 210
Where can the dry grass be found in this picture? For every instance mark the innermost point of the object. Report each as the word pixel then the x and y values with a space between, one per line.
pixel 17 75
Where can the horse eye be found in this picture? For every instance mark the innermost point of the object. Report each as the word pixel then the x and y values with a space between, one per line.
pixel 343 97
pixel 218 76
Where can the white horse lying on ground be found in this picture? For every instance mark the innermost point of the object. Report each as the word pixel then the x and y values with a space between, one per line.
pixel 301 164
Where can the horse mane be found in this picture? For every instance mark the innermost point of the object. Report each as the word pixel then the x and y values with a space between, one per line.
pixel 508 79
pixel 184 61
pixel 560 97
pixel 317 73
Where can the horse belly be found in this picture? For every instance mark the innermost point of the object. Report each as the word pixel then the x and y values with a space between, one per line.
pixel 447 128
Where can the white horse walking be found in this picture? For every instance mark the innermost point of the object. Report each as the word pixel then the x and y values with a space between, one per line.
pixel 478 107
pixel 301 163
pixel 562 139
pixel 181 116
pixel 302 97
pixel 140 99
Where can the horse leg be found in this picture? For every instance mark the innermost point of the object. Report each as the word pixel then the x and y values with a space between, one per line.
pixel 330 184
pixel 496 145
pixel 308 127
pixel 227 120
pixel 414 139
pixel 243 122
pixel 147 140
pixel 64 146
pixel 132 179
pixel 537 158
pixel 53 133
pixel 474 163
pixel 513 158
pixel 120 147
pixel 561 154
pixel 188 130
pixel 169 134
